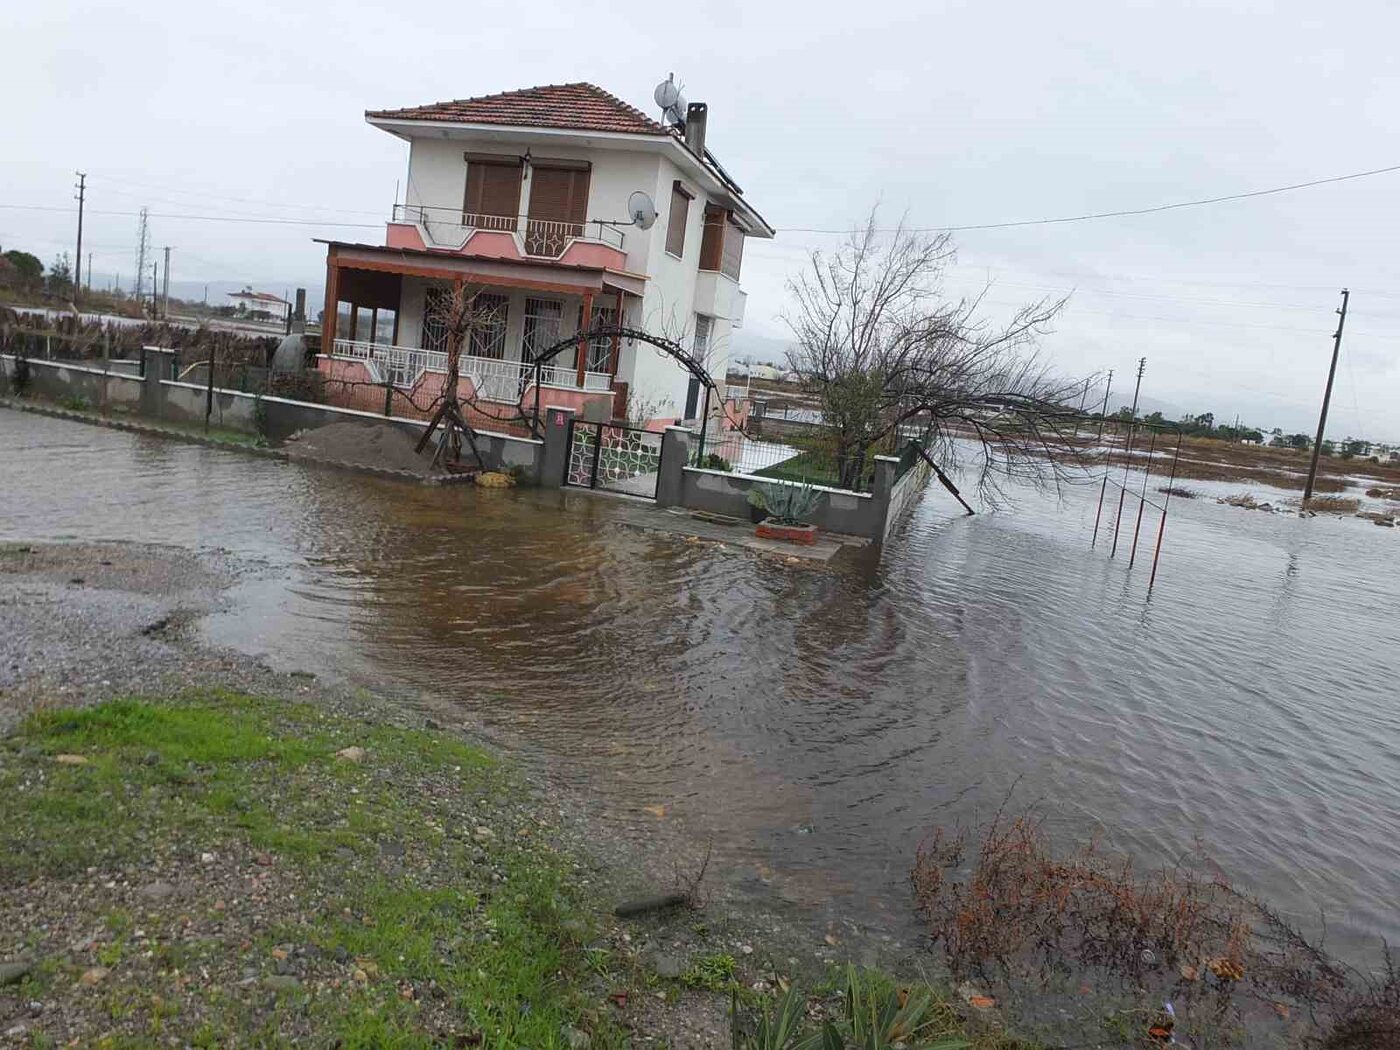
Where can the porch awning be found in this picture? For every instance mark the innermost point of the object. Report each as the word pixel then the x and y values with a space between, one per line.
pixel 532 274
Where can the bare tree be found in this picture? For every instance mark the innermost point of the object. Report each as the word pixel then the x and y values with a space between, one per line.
pixel 888 354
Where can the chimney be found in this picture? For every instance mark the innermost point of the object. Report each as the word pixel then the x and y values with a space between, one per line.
pixel 299 313
pixel 695 116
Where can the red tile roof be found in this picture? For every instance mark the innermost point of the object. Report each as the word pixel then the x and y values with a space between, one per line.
pixel 581 107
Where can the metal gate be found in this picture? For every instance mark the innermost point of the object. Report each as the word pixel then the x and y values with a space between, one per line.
pixel 613 457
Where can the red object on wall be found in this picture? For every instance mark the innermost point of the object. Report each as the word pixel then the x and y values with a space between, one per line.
pixel 804 534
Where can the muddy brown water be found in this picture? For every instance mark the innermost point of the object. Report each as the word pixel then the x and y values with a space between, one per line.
pixel 816 722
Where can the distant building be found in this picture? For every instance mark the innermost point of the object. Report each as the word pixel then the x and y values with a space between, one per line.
pixel 259 302
pixel 758 370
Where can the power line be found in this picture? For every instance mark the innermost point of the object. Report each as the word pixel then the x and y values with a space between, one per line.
pixel 202 218
pixel 1125 212
pixel 1087 217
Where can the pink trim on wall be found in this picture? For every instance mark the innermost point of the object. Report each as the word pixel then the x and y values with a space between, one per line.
pixel 498 244
pixel 404 235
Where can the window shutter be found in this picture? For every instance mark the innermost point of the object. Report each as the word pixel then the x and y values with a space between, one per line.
pixel 493 190
pixel 733 249
pixel 559 195
pixel 675 222
pixel 712 242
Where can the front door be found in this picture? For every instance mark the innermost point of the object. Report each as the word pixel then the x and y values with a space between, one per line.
pixel 692 398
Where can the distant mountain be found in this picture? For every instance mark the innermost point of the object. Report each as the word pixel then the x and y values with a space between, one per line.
pixel 771 349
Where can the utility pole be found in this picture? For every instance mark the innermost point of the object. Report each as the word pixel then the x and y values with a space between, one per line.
pixel 1142 367
pixel 89 272
pixel 165 287
pixel 78 259
pixel 155 285
pixel 1104 411
pixel 1326 398
pixel 143 245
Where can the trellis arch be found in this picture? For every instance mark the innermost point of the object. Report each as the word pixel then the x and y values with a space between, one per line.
pixel 670 347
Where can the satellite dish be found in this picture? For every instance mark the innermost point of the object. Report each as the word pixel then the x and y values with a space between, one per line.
pixel 668 96
pixel 642 210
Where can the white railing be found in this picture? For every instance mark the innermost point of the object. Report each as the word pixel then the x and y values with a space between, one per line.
pixel 400 365
pixel 449 227
pixel 494 379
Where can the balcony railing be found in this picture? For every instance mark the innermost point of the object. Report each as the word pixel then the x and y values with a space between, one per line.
pixel 547 238
pixel 494 379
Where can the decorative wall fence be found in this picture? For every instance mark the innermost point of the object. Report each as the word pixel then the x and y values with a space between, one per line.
pixel 671 472
pixel 153 396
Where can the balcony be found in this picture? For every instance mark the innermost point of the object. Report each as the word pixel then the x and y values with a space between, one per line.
pixel 493 379
pixel 454 230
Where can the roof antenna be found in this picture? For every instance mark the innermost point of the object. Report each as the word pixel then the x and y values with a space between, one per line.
pixel 668 96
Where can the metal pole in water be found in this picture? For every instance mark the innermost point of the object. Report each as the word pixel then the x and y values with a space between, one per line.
pixel 1142 498
pixel 1123 488
pixel 1162 525
pixel 1326 399
pixel 1108 461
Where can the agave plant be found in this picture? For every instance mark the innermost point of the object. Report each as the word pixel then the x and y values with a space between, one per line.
pixel 786 504
pixel 877 1016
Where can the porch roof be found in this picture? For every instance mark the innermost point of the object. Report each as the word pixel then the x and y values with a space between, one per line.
pixel 533 274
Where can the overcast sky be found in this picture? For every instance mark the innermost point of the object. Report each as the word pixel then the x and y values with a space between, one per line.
pixel 958 113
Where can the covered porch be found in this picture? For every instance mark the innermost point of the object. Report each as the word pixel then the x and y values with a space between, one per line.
pixel 388 310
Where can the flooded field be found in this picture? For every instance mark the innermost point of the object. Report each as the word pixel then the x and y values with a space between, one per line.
pixel 816 722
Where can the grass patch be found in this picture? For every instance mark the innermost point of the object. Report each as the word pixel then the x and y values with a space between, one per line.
pixel 420 906
pixel 1179 491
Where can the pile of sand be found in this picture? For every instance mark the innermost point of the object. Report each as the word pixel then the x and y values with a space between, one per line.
pixel 364 444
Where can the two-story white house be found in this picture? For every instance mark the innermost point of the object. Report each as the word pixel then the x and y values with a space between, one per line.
pixel 524 196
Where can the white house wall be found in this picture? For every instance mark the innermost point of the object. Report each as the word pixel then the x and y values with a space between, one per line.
pixel 437 180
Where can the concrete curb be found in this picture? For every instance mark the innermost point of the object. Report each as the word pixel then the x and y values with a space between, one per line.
pixel 188 438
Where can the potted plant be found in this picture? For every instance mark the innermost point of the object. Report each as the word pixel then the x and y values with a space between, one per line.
pixel 758 506
pixel 789 507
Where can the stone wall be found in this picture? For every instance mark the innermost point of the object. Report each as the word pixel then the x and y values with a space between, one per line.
pixel 838 510
pixel 276 418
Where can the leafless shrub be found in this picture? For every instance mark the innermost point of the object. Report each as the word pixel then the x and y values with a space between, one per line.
pixel 884 349
pixel 1009 906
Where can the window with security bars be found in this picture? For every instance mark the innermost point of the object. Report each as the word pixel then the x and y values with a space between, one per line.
pixel 600 348
pixel 437 304
pixel 542 330
pixel 488 338
pixel 700 345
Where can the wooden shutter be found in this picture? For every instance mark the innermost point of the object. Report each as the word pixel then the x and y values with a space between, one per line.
pixel 733 248
pixel 712 243
pixel 493 191
pixel 675 222
pixel 559 194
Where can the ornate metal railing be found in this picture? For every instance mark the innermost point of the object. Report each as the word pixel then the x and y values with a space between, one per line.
pixel 548 238
pixel 494 379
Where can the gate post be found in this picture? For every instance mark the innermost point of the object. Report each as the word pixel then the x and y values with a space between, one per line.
pixel 670 471
pixel 555 454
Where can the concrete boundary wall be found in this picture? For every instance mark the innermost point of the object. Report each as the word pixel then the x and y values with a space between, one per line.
pixel 275 418
pixel 869 514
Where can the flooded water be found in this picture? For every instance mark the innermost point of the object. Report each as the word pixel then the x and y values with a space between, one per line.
pixel 817 722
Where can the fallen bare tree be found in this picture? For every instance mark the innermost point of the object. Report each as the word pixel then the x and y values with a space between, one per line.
pixel 888 354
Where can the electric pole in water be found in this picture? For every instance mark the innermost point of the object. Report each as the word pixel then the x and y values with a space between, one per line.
pixel 1326 397
pixel 78 259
